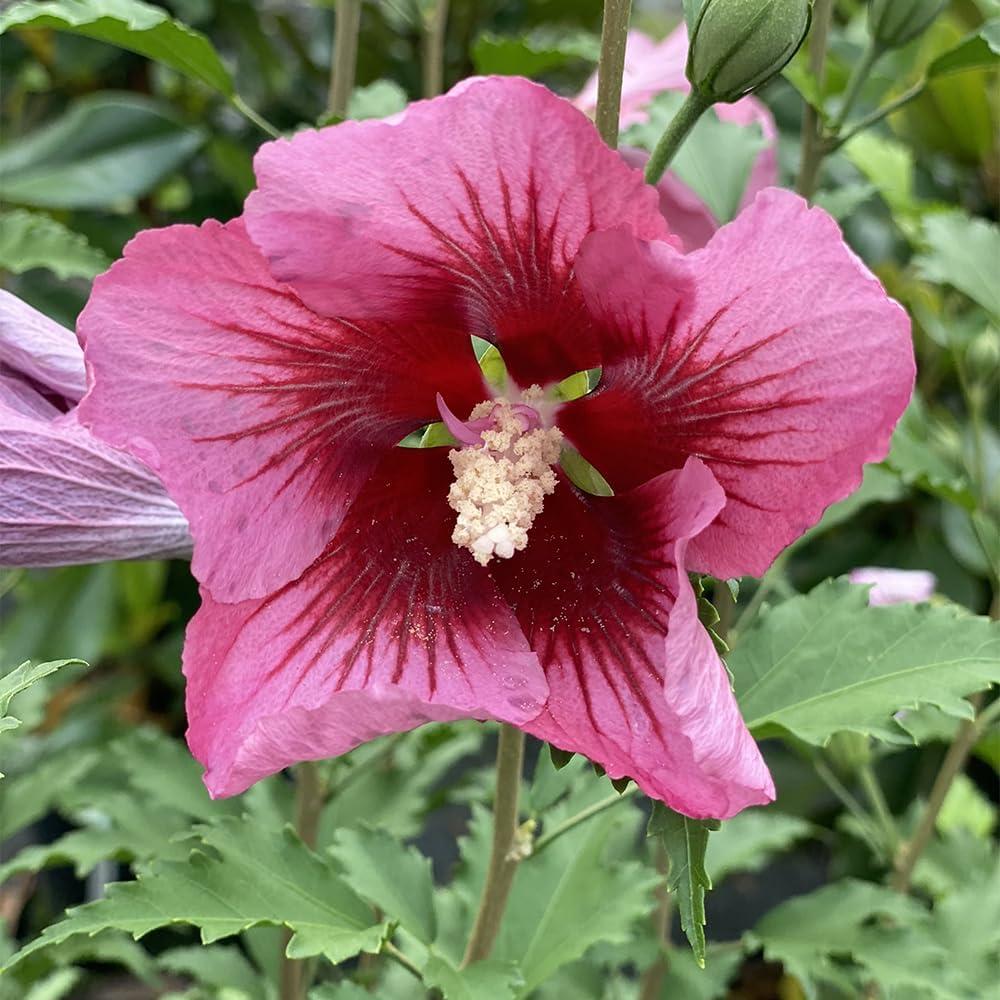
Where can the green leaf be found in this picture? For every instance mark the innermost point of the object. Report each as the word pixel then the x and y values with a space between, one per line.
pixel 494 979
pixel 537 52
pixel 219 966
pixel 686 980
pixel 491 363
pixel 395 878
pixel 826 662
pixel 889 165
pixel 716 158
pixel 748 841
pixel 129 24
pixel 980 50
pixel 582 474
pixel 29 796
pixel 685 841
pixel 29 240
pixel 808 932
pixel 245 878
pixel 962 251
pixel 104 151
pixel 378 100
pixel 965 807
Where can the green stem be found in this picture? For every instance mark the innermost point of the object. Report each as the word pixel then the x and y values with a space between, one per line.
pixel 610 68
pixel 503 859
pixel 310 794
pixel 951 767
pixel 581 817
pixel 651 984
pixel 371 763
pixel 435 33
pixel 850 802
pixel 878 114
pixel 676 132
pixel 262 123
pixel 857 80
pixel 876 799
pixel 388 948
pixel 813 142
pixel 347 25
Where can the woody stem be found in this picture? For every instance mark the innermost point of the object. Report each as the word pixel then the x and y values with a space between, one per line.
pixel 503 860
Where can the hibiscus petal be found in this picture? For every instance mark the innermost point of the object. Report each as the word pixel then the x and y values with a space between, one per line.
pixel 35 346
pixel 472 206
pixel 263 419
pixel 391 627
pixel 66 498
pixel 785 372
pixel 634 680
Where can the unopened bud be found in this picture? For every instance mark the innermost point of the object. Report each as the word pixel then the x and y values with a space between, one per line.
pixel 893 23
pixel 738 45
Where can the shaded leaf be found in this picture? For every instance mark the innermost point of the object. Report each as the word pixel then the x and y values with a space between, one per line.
pixel 980 50
pixel 962 251
pixel 493 979
pixel 129 24
pixel 748 841
pixel 537 52
pixel 826 662
pixel 105 150
pixel 29 240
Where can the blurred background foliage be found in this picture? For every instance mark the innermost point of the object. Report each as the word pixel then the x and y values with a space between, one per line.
pixel 98 143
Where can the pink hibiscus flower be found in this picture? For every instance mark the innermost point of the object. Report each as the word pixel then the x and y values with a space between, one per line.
pixel 268 368
pixel 650 69
pixel 66 497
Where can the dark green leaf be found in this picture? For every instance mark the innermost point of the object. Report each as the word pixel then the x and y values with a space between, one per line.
pixel 826 662
pixel 29 240
pixel 537 52
pixel 747 842
pixel 129 24
pixel 685 841
pixel 104 151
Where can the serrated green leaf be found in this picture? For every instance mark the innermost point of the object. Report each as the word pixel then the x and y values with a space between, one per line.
pixel 397 879
pixel 962 251
pixel 716 158
pixel 748 841
pixel 826 662
pixel 218 966
pixel 685 841
pixel 129 24
pixel 493 979
pixel 247 878
pixel 104 151
pixel 377 100
pixel 29 240
pixel 29 796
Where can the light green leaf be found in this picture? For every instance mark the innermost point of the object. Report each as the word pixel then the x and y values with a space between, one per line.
pixel 29 796
pixel 491 363
pixel 28 240
pixel 493 979
pixel 965 807
pixel 686 980
pixel 582 474
pixel 980 50
pixel 378 100
pixel 535 53
pixel 685 841
pixel 104 151
pixel 397 879
pixel 748 841
pixel 825 663
pixel 247 877
pixel 962 251
pixel 129 24
pixel 54 986
pixel 716 158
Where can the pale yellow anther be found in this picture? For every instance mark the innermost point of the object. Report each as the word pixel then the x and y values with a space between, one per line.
pixel 500 485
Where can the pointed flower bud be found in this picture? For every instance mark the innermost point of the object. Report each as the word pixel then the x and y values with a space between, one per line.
pixel 893 23
pixel 738 45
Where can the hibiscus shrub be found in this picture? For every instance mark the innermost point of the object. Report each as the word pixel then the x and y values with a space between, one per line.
pixel 455 515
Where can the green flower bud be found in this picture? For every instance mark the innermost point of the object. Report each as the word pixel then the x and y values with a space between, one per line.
pixel 893 23
pixel 737 45
pixel 848 752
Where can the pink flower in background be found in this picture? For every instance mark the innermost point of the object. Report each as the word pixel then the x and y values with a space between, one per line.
pixel 268 368
pixel 650 69
pixel 66 497
pixel 895 586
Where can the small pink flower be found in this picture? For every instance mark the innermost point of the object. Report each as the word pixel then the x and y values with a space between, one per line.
pixel 650 69
pixel 895 586
pixel 66 497
pixel 268 368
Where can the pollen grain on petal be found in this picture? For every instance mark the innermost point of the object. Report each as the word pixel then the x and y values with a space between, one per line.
pixel 501 484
